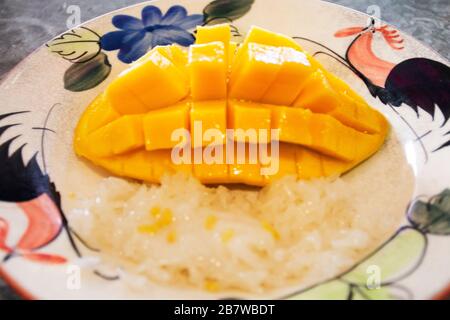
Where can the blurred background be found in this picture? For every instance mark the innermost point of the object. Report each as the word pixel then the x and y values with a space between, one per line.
pixel 27 24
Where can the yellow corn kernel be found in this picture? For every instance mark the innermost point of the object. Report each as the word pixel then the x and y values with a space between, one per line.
pixel 72 195
pixel 271 229
pixel 210 222
pixel 208 71
pixel 211 285
pixel 227 235
pixel 208 115
pixel 159 125
pixel 165 218
pixel 155 211
pixel 171 237
pixel 148 229
pixel 162 220
pixel 259 65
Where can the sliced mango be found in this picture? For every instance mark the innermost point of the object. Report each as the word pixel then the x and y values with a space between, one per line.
pixel 319 132
pixel 259 66
pixel 265 37
pixel 245 167
pixel 151 82
pixel 177 55
pixel 208 61
pixel 286 162
pixel 99 113
pixel 309 163
pixel 160 124
pixel 210 172
pixel 207 115
pixel 243 116
pixel 319 95
pixel 324 127
pixel 290 79
pixel 218 32
pixel 119 136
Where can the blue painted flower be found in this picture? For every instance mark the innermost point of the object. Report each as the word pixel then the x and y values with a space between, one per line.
pixel 137 36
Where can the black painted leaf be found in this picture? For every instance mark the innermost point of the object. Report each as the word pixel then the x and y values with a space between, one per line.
pixel 432 216
pixel 226 10
pixel 445 144
pixel 20 181
pixel 85 76
pixel 420 83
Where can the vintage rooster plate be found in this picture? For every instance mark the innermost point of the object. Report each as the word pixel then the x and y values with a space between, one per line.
pixel 41 254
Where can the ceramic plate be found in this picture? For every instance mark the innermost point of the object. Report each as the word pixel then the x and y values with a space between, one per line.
pixel 41 255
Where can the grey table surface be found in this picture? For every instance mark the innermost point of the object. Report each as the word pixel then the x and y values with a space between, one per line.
pixel 27 24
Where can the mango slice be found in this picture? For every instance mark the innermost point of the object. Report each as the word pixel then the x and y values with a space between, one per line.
pixel 119 136
pixel 319 95
pixel 171 110
pixel 160 124
pixel 208 115
pixel 290 79
pixel 259 66
pixel 176 55
pixel 152 82
pixel 218 32
pixel 244 116
pixel 319 132
pixel 208 61
pixel 246 167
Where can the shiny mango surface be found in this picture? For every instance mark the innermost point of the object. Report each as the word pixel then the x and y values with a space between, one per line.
pixel 268 82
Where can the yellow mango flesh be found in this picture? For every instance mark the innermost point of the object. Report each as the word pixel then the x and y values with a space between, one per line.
pixel 290 79
pixel 120 136
pixel 208 61
pixel 322 96
pixel 259 66
pixel 208 115
pixel 176 55
pixel 245 168
pixel 152 82
pixel 243 116
pixel 159 125
pixel 218 32
pixel 324 127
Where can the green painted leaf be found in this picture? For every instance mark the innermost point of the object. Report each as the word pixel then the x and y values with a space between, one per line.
pixel 432 216
pixel 331 290
pixel 226 10
pixel 77 46
pixel 398 257
pixel 85 76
